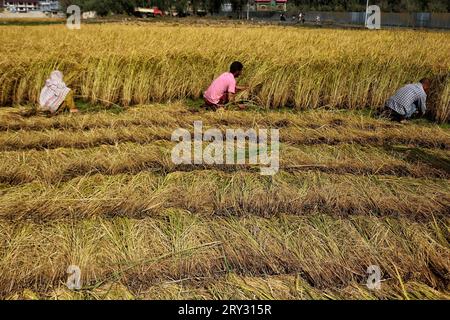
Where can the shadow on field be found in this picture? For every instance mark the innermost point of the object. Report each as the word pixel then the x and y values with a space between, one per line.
pixel 83 107
pixel 415 155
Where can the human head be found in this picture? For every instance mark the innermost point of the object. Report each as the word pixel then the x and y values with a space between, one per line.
pixel 236 68
pixel 426 84
pixel 56 75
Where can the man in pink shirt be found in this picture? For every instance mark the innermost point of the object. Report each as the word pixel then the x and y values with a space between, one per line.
pixel 222 90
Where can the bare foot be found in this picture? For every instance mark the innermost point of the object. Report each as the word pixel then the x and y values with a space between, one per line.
pixel 74 110
pixel 242 106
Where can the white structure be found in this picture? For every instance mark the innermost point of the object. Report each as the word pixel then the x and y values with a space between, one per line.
pixel 51 6
pixel 21 5
pixel 25 6
pixel 89 15
pixel 226 7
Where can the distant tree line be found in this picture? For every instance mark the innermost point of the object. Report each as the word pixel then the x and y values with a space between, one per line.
pixel 104 7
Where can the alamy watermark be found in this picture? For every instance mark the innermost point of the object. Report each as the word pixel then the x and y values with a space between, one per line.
pixel 74 19
pixel 373 17
pixel 74 278
pixel 374 280
pixel 229 147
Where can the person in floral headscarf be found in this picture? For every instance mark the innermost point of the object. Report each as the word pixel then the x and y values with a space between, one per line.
pixel 56 96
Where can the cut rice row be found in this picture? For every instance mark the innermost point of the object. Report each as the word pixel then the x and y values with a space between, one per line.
pixel 213 192
pixel 327 254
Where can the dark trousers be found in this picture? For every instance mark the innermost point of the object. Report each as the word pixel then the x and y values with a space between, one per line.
pixel 222 102
pixel 392 115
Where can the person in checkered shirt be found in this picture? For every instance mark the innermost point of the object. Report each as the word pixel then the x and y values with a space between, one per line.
pixel 408 101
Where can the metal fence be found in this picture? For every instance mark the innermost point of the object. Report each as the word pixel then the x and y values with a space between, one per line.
pixel 413 20
pixel 388 19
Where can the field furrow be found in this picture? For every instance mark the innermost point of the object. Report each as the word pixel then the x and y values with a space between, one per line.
pixel 178 114
pixel 326 253
pixel 52 139
pixel 236 287
pixel 59 165
pixel 213 192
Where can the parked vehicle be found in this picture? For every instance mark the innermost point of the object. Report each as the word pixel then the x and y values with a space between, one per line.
pixel 148 12
pixel 201 13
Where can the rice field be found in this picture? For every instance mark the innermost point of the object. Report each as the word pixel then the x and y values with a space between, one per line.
pixel 138 63
pixel 99 189
pixel 88 190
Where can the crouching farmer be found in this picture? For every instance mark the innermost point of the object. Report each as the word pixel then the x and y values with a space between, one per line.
pixel 56 96
pixel 408 101
pixel 222 90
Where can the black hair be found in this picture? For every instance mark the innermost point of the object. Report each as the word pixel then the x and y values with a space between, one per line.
pixel 425 80
pixel 236 66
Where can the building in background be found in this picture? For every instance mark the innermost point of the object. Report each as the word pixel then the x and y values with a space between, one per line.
pixel 24 6
pixel 21 5
pixel 271 5
pixel 226 7
pixel 49 6
pixel 266 6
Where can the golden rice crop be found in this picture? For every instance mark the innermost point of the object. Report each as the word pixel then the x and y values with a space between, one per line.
pixel 99 189
pixel 146 127
pixel 237 194
pixel 296 67
pixel 63 164
pixel 226 257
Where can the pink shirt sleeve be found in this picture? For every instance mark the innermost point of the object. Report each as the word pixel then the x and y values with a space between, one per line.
pixel 232 84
